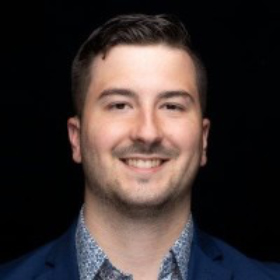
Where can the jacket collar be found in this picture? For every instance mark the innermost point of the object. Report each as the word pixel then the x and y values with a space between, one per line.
pixel 61 262
pixel 205 260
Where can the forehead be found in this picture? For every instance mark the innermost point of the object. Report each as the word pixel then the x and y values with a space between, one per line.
pixel 152 68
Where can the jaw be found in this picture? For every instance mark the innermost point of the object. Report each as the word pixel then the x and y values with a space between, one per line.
pixel 138 191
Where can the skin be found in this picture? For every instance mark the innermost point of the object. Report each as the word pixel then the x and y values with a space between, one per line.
pixel 142 104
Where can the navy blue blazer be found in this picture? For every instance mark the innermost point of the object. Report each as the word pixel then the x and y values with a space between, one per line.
pixel 211 259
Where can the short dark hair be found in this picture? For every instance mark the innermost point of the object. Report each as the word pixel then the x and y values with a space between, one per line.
pixel 133 29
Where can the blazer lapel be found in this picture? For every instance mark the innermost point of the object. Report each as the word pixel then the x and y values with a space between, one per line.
pixel 205 261
pixel 61 263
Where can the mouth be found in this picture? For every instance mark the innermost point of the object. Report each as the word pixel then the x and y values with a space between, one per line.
pixel 144 163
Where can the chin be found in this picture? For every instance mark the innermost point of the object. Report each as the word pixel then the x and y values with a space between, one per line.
pixel 144 207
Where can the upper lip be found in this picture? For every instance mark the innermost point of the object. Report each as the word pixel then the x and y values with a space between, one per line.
pixel 141 157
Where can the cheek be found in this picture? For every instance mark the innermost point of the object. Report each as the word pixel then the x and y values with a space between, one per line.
pixel 104 136
pixel 185 136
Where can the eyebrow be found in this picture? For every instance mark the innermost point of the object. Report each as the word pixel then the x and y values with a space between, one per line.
pixel 117 91
pixel 175 93
pixel 129 93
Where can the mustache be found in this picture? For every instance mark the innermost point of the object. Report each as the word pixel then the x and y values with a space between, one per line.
pixel 146 149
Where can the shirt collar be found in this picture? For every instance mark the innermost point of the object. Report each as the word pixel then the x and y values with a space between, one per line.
pixel 182 248
pixel 91 257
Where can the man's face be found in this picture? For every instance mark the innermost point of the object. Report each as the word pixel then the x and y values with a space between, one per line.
pixel 141 138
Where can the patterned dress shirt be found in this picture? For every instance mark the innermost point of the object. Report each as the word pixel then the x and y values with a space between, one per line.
pixel 94 264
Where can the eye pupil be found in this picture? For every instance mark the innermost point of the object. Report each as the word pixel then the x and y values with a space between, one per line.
pixel 120 106
pixel 171 107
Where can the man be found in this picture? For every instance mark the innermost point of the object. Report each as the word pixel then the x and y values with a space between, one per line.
pixel 141 135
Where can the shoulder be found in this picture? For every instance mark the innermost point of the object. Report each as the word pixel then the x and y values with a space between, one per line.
pixel 57 258
pixel 232 260
pixel 27 266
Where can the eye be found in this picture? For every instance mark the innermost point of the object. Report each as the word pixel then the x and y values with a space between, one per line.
pixel 119 106
pixel 173 107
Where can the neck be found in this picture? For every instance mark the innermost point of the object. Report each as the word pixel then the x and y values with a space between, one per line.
pixel 135 245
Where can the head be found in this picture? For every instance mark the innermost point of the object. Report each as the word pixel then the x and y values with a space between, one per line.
pixel 135 29
pixel 139 132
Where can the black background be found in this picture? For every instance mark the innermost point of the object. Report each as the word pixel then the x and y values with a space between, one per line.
pixel 236 196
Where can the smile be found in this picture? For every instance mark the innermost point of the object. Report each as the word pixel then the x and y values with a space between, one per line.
pixel 143 163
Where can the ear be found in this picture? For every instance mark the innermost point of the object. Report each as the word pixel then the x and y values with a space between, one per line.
pixel 205 133
pixel 74 134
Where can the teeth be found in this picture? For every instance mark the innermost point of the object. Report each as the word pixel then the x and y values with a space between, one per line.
pixel 141 163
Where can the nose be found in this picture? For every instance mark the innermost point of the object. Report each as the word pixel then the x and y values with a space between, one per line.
pixel 147 128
